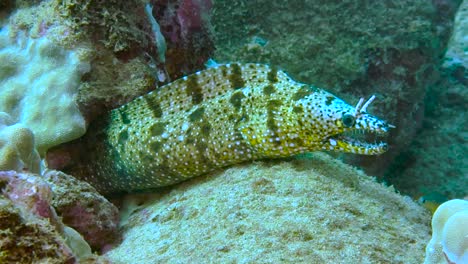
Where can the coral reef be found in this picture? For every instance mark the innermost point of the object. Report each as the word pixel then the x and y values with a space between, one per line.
pixel 112 83
pixel 38 82
pixel 60 57
pixel 449 242
pixel 116 24
pixel 29 223
pixel 31 231
pixel 121 49
pixel 17 149
pixel 125 64
pixel 30 210
pixel 20 236
pixel 83 209
pixel 347 47
pixel 313 210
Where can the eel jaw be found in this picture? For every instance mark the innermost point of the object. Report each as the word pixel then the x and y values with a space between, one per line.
pixel 358 141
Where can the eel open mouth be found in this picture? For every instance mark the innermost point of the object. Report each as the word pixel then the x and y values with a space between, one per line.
pixel 359 142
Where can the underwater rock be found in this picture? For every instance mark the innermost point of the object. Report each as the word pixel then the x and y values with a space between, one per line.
pixel 436 163
pixel 83 209
pixel 348 47
pixel 29 192
pixel 25 239
pixel 31 231
pixel 187 28
pixel 119 67
pixel 125 63
pixel 312 210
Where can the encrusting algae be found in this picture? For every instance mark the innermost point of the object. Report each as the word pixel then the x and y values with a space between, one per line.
pixel 221 116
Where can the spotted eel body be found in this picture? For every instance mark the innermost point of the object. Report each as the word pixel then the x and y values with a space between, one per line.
pixel 214 118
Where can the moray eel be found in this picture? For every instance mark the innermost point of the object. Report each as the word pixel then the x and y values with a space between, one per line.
pixel 217 117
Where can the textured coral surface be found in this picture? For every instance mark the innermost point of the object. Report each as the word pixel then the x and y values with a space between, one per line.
pixel 30 231
pixel 38 82
pixel 315 210
pixel 23 240
pixel 82 208
pixel 17 149
pixel 35 212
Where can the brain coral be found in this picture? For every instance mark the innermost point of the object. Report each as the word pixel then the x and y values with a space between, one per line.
pixel 38 82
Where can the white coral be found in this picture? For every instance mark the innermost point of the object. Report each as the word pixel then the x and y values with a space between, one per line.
pixel 449 243
pixel 38 83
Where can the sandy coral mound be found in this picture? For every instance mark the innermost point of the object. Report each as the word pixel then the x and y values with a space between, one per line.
pixel 313 210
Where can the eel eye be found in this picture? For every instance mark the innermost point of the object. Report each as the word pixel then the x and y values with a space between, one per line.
pixel 348 120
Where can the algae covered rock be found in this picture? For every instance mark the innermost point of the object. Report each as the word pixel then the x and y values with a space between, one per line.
pixel 314 210
pixel 435 165
pixel 20 236
pixel 30 229
pixel 84 209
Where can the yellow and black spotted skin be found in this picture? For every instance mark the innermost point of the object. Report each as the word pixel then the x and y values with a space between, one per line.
pixel 214 118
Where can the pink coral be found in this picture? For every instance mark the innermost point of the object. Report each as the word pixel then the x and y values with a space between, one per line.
pixel 77 203
pixel 192 14
pixel 84 209
pixel 29 223
pixel 185 25
pixel 29 192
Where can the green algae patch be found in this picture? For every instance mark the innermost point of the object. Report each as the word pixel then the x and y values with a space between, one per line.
pixel 312 210
pixel 113 23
